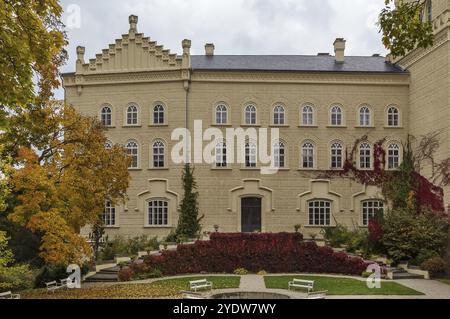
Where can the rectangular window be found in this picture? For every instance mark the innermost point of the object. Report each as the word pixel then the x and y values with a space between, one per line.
pixel 109 215
pixel 320 213
pixel 371 210
pixel 158 213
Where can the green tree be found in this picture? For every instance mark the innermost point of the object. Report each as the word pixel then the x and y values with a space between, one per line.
pixel 404 27
pixel 31 51
pixel 189 221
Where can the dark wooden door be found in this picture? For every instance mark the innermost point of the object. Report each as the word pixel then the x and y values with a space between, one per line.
pixel 251 214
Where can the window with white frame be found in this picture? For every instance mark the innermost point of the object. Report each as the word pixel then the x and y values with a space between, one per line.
pixel 250 154
pixel 336 155
pixel 106 116
pixel 108 145
pixel 393 117
pixel 307 115
pixel 393 156
pixel 371 209
pixel 159 154
pixel 132 115
pixel 221 154
pixel 319 212
pixel 133 152
pixel 279 115
pixel 159 115
pixel 364 116
pixel 109 214
pixel 221 114
pixel 280 154
pixel 158 213
pixel 336 115
pixel 250 115
pixel 365 156
pixel 308 155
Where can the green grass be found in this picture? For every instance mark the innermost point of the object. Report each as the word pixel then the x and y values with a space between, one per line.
pixel 219 282
pixel 444 280
pixel 342 286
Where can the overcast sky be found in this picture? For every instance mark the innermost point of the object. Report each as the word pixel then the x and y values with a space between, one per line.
pixel 234 26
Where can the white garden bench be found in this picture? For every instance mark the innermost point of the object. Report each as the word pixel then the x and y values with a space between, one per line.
pixel 9 295
pixel 300 283
pixel 317 295
pixel 200 284
pixel 54 286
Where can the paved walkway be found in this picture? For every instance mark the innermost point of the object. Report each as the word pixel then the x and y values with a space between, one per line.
pixel 253 283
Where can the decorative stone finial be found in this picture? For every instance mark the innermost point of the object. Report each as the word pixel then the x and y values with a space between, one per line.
pixel 80 53
pixel 186 44
pixel 133 23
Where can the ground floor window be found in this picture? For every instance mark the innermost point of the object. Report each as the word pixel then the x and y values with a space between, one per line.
pixel 109 214
pixel 371 209
pixel 319 213
pixel 158 213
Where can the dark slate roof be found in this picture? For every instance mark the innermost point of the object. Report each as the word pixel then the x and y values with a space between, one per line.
pixel 306 63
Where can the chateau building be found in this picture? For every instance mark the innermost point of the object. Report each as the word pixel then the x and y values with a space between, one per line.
pixel 325 107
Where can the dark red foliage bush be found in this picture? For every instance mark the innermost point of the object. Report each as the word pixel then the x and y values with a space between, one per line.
pixel 275 253
pixel 125 274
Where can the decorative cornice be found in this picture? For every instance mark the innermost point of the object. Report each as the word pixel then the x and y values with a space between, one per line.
pixel 301 78
pixel 71 80
pixel 412 57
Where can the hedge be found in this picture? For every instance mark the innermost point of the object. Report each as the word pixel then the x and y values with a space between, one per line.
pixel 274 253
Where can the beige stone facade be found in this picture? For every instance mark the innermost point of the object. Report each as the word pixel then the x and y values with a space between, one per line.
pixel 137 72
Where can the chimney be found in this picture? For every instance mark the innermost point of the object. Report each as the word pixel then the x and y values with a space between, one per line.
pixel 133 20
pixel 339 50
pixel 209 49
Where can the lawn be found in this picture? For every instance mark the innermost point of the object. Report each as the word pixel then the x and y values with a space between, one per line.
pixel 342 286
pixel 160 289
pixel 444 280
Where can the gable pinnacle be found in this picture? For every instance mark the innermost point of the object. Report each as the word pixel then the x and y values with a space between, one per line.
pixel 133 20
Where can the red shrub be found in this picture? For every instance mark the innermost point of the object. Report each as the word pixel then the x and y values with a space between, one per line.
pixel 275 253
pixel 125 274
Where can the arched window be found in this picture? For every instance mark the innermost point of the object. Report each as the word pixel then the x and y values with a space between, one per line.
pixel 106 116
pixel 221 154
pixel 336 155
pixel 365 156
pixel 393 156
pixel 279 155
pixel 319 212
pixel 393 117
pixel 159 115
pixel 364 116
pixel 108 145
pixel 250 154
pixel 308 115
pixel 279 115
pixel 221 114
pixel 132 115
pixel 250 115
pixel 159 154
pixel 336 116
pixel 308 155
pixel 371 209
pixel 133 152
pixel 158 213
pixel 109 214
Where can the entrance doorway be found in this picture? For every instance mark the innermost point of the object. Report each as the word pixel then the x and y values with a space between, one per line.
pixel 251 208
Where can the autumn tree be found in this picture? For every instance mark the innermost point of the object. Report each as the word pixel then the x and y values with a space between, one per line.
pixel 404 26
pixel 32 44
pixel 63 175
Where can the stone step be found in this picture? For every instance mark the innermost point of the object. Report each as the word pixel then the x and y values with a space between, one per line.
pixel 99 277
pixel 406 275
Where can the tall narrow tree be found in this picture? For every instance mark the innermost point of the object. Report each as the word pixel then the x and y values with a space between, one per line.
pixel 189 221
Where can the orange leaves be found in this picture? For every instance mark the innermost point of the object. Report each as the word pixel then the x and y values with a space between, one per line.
pixel 63 177
pixel 59 243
